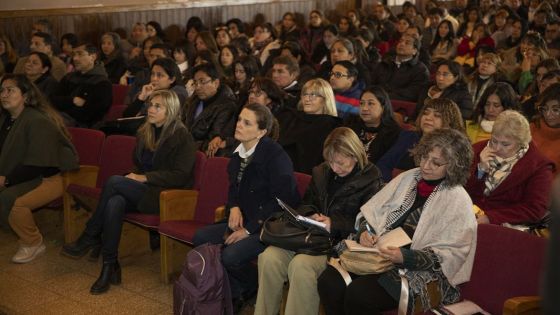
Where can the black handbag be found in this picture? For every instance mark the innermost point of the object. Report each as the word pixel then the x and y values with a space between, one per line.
pixel 284 231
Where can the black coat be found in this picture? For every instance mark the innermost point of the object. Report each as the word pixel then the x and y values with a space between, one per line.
pixel 93 86
pixel 173 166
pixel 343 205
pixel 115 67
pixel 47 84
pixel 302 136
pixel 458 93
pixel 385 136
pixel 216 119
pixel 401 83
pixel 268 176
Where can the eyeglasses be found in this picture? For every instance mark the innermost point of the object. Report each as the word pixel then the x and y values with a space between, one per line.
pixel 311 95
pixel 337 75
pixel 433 163
pixel 554 111
pixel 201 82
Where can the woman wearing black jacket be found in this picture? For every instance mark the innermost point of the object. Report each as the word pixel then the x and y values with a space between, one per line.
pixel 112 56
pixel 164 158
pixel 450 85
pixel 339 187
pixel 376 125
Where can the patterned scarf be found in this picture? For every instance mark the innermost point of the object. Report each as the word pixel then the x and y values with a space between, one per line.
pixel 500 170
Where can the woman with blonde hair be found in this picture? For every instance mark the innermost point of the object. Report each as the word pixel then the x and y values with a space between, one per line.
pixel 338 188
pixel 510 179
pixel 164 158
pixel 303 131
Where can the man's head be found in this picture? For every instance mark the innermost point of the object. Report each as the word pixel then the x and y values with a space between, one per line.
pixel 343 76
pixel 285 71
pixel 42 25
pixel 407 47
pixel 41 42
pixel 379 12
pixel 552 31
pixel 158 51
pixel 84 56
pixel 206 81
pixel 414 32
pixel 435 15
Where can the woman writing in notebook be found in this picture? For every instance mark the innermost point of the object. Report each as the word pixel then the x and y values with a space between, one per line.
pixel 337 190
pixel 431 206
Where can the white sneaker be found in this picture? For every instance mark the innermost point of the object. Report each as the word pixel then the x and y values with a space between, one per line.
pixel 26 254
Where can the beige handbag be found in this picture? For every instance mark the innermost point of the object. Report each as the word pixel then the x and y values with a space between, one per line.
pixel 364 263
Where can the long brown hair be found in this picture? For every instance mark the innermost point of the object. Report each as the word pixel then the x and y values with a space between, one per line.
pixel 35 99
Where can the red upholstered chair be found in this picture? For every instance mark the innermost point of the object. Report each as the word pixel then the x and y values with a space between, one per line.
pixel 115 159
pixel 88 144
pixel 302 181
pixel 151 221
pixel 406 109
pixel 507 270
pixel 185 211
pixel 119 94
pixel 115 112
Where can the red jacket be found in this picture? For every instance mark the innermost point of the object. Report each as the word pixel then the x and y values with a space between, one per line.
pixel 522 197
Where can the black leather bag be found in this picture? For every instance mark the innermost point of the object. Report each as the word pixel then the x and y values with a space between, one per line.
pixel 282 230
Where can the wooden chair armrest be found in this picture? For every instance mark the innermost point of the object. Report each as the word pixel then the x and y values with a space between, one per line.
pixel 85 176
pixel 220 214
pixel 522 305
pixel 177 204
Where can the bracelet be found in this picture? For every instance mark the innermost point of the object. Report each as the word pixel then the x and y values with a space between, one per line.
pixel 247 231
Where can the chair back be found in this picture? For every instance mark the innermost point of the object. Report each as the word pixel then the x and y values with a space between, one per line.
pixel 116 157
pixel 88 144
pixel 115 112
pixel 199 165
pixel 302 181
pixel 406 109
pixel 508 263
pixel 213 191
pixel 119 94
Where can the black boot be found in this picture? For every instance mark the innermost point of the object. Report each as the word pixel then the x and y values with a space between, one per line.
pixel 79 248
pixel 95 253
pixel 110 274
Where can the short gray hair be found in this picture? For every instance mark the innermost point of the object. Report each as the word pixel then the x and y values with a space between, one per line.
pixel 512 124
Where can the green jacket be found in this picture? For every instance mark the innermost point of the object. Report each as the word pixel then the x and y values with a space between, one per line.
pixel 35 141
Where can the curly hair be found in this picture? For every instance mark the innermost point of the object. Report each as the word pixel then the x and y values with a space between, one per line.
pixel 450 113
pixel 455 148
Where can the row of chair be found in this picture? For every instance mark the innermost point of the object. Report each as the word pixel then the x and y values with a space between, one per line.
pixel 508 263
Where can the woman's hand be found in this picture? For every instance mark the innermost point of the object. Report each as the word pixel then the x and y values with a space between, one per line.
pixel 324 219
pixel 434 92
pixel 482 219
pixel 124 79
pixel 135 52
pixel 147 90
pixel 367 240
pixel 137 177
pixel 486 155
pixel 236 236
pixel 235 221
pixel 526 62
pixel 214 145
pixel 393 254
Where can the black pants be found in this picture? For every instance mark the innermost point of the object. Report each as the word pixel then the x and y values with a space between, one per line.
pixel 363 296
pixel 120 194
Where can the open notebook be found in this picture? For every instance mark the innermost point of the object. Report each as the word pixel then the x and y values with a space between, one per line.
pixel 301 219
pixel 396 237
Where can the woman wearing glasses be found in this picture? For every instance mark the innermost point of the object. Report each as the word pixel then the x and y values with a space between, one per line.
pixel 510 179
pixel 303 131
pixel 164 158
pixel 443 252
pixel 450 84
pixel 545 129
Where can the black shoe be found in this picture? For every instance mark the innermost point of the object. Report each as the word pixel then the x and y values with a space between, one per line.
pixel 110 274
pixel 79 248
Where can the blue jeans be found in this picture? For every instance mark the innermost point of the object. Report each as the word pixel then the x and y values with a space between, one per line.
pixel 120 195
pixel 237 258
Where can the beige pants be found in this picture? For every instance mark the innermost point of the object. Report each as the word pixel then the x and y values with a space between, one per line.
pixel 277 265
pixel 21 216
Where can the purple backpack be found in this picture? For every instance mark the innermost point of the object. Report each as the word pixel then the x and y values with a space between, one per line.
pixel 203 287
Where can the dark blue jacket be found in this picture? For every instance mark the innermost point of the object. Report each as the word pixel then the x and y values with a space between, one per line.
pixel 407 140
pixel 270 174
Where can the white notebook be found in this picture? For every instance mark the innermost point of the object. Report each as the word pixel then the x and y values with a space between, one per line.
pixel 396 237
